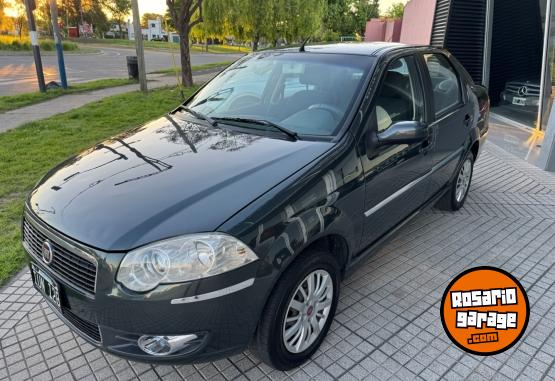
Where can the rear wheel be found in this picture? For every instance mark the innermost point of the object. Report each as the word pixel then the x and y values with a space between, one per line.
pixel 454 199
pixel 299 311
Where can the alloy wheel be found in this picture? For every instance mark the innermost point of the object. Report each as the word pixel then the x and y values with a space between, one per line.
pixel 463 181
pixel 308 311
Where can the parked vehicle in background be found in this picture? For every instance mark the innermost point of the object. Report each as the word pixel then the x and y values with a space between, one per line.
pixel 525 94
pixel 231 221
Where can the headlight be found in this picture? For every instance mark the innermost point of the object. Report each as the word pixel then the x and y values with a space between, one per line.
pixel 182 259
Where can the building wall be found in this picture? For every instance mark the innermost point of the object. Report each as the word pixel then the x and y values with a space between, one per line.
pixel 418 22
pixel 375 30
pixel 393 30
pixel 383 30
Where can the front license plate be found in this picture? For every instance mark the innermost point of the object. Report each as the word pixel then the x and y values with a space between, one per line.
pixel 46 285
pixel 519 101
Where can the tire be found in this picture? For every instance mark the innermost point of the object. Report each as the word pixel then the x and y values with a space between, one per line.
pixel 269 343
pixel 453 200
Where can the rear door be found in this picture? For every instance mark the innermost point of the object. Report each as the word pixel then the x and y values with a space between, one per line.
pixel 396 176
pixel 452 117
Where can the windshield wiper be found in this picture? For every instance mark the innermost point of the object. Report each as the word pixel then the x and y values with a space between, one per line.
pixel 198 115
pixel 261 122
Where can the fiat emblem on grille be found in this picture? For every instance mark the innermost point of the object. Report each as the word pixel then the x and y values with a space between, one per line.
pixel 47 252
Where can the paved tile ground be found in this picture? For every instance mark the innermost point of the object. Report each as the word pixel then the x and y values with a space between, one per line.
pixel 387 325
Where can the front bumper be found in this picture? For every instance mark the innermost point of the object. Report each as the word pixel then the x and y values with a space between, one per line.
pixel 524 101
pixel 223 311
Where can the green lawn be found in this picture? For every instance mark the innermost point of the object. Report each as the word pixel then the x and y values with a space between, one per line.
pixel 12 102
pixel 168 45
pixel 27 152
pixel 213 65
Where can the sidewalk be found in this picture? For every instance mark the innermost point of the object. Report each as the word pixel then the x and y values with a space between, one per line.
pixel 15 118
pixel 387 324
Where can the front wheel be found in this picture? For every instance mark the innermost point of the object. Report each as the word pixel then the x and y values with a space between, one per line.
pixel 454 199
pixel 299 311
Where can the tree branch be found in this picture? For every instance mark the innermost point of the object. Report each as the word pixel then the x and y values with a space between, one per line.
pixel 193 23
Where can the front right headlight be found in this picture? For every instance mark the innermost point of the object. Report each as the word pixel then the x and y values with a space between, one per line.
pixel 182 259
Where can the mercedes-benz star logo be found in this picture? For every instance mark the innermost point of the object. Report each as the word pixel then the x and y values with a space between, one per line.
pixel 47 252
pixel 523 90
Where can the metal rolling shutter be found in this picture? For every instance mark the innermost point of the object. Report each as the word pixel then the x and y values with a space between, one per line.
pixel 459 26
pixel 440 23
pixel 466 33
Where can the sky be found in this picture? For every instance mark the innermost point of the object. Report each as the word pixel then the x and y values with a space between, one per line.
pixel 159 6
pixel 152 6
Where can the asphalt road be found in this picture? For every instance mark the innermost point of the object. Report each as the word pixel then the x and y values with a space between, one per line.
pixel 17 72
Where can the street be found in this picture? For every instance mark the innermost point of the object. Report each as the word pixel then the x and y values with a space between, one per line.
pixel 17 72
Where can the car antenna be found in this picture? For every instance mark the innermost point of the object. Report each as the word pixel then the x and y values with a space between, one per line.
pixel 301 49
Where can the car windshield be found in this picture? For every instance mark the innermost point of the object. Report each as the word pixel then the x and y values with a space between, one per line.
pixel 308 94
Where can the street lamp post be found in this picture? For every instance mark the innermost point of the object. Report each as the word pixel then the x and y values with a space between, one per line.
pixel 30 7
pixel 58 41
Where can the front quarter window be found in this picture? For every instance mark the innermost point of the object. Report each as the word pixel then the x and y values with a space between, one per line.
pixel 308 93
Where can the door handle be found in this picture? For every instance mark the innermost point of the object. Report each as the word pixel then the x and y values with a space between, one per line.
pixel 467 119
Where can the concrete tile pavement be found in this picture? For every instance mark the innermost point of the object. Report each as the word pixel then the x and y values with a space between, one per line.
pixel 15 118
pixel 387 325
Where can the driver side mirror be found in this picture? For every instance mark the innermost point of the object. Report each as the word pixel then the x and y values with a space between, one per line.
pixel 409 132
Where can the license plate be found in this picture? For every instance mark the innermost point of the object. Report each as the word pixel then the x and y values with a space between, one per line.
pixel 519 101
pixel 46 285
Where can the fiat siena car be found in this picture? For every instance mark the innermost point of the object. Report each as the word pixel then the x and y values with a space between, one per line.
pixel 230 222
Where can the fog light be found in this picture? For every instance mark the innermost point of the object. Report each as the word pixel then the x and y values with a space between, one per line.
pixel 164 345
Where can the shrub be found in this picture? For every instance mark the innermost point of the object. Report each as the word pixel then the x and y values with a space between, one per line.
pixel 16 44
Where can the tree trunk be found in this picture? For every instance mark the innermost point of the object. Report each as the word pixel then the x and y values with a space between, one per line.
pixel 255 42
pixel 186 72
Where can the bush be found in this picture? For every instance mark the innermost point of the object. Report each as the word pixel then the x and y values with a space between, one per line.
pixel 24 44
pixel 330 36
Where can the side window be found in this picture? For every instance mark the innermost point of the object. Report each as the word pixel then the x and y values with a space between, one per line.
pixel 400 95
pixel 445 82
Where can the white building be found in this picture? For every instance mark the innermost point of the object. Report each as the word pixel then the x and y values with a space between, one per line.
pixel 154 31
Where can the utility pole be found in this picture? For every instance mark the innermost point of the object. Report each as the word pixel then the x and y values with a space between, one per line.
pixel 139 45
pixel 58 41
pixel 30 7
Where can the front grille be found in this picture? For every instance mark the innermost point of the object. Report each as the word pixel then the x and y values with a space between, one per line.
pixel 533 90
pixel 73 268
pixel 89 329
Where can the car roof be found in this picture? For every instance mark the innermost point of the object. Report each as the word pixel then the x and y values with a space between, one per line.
pixel 356 48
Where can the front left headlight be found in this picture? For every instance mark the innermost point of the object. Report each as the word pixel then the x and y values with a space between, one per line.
pixel 182 259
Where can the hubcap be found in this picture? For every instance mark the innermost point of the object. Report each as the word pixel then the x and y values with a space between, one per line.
pixel 308 311
pixel 463 181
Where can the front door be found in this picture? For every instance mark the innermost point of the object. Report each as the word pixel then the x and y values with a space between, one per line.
pixel 396 176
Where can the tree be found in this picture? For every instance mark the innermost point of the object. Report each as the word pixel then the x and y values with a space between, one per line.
pixel 302 18
pixel 185 15
pixel 119 10
pixel 395 11
pixel 2 5
pixel 149 16
pixel 254 17
pixel 349 17
pixel 216 14
pixel 18 17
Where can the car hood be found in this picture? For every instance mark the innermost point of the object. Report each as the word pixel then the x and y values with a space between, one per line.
pixel 168 178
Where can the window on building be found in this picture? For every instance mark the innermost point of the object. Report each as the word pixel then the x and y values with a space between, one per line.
pixel 445 82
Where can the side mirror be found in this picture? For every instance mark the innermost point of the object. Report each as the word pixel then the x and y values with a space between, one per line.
pixel 403 133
